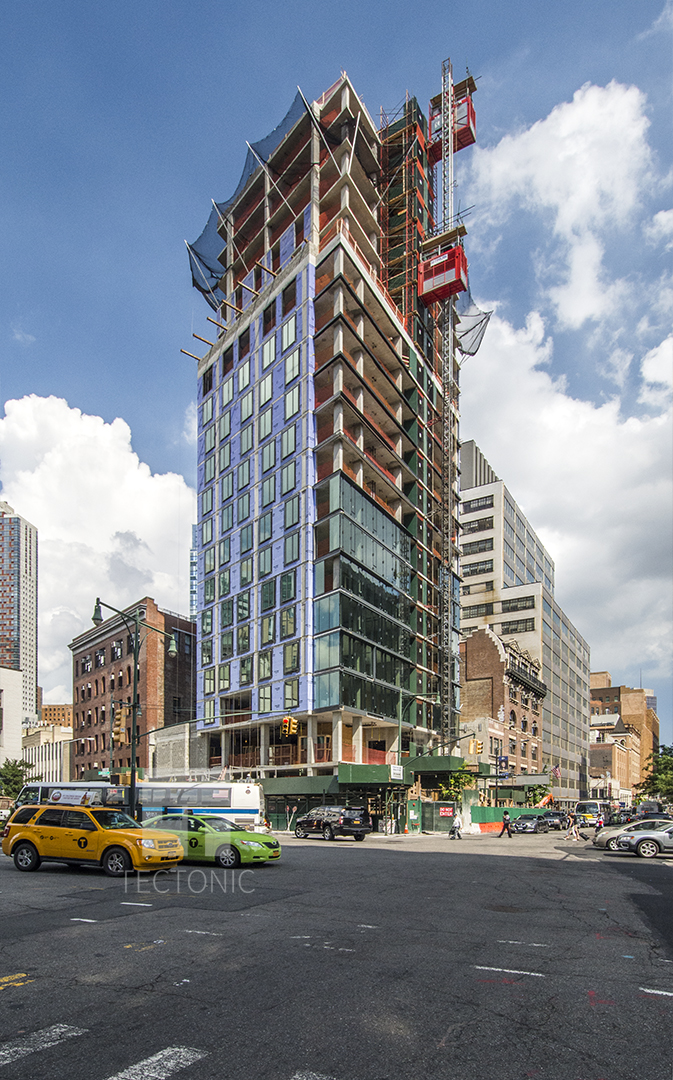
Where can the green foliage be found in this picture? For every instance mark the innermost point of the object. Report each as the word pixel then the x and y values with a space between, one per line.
pixel 536 792
pixel 659 781
pixel 13 775
pixel 452 790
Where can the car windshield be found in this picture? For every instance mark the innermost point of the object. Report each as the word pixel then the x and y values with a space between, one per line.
pixel 114 819
pixel 220 824
pixel 527 817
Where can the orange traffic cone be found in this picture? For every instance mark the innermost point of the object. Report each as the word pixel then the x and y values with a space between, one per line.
pixel 406 828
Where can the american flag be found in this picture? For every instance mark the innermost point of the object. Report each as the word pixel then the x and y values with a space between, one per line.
pixel 556 771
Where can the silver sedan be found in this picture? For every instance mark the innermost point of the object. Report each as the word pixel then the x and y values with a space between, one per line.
pixel 649 844
pixel 608 837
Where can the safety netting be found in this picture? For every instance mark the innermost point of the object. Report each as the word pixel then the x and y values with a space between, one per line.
pixel 204 253
pixel 471 323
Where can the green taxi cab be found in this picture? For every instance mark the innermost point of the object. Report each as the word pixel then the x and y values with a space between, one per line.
pixel 86 837
pixel 214 839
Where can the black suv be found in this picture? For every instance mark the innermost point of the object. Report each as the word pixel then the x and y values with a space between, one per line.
pixel 332 821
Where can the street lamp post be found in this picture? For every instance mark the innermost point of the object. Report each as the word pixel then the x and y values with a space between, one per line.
pixel 133 623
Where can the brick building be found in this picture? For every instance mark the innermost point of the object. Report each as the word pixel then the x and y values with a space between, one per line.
pixel 103 673
pixel 57 714
pixel 636 707
pixel 614 759
pixel 502 691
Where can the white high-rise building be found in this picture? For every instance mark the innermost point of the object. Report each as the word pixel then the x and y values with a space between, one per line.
pixel 508 585
pixel 18 605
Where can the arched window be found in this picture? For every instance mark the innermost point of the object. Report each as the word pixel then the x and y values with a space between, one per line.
pixel 512 719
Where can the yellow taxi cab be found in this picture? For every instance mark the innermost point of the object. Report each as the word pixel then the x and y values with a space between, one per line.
pixel 86 837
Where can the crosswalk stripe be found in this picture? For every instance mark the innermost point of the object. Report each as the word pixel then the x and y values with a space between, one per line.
pixel 310 1076
pixel 162 1065
pixel 39 1040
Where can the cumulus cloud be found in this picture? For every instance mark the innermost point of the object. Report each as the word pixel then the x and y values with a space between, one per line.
pixel 107 525
pixel 596 486
pixel 189 427
pixel 660 228
pixel 657 371
pixel 582 168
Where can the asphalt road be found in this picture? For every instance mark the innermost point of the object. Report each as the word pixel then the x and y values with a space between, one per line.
pixel 397 958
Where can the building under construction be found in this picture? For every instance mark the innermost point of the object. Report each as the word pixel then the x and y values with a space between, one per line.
pixel 328 449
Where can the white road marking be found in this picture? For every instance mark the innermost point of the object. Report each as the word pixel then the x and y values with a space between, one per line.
pixel 162 1065
pixel 208 933
pixel 84 920
pixel 310 1076
pixel 133 903
pixel 510 971
pixel 664 993
pixel 39 1040
pixel 365 926
pixel 532 944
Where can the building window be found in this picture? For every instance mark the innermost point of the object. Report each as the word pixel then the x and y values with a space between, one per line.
pixel 209 440
pixel 115 653
pixel 265 527
pixel 227 613
pixel 100 658
pixel 287 477
pixel 291 694
pixel 243 510
pixel 244 376
pixel 269 317
pixel 265 390
pixel 246 406
pixel 288 622
pixel 207 408
pixel 227 518
pixel 264 698
pixel 265 562
pixel 289 297
pixel 471 569
pixel 291 366
pixel 246 440
pixel 227 645
pixel 245 677
pixel 268 352
pixel 224 677
pixel 243 606
pixel 292 402
pixel 227 486
pixel 227 392
pixel 291 657
pixel 246 538
pixel 224 582
pixel 291 548
pixel 292 512
pixel 268 490
pixel 512 747
pixel 289 333
pixel 209 681
pixel 244 474
pixel 521 626
pixel 265 424
pixel 269 456
pixel 207 531
pixel 268 629
pixel 288 441
pixel 245 572
pixel 209 590
pixel 478 545
pixel 209 469
pixel 265 665
pixel 206 622
pixel 288 586
pixel 243 639
pixel 476 610
pixel 209 560
pixel 522 603
pixel 225 551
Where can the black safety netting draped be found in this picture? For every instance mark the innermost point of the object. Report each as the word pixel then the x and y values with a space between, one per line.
pixel 471 323
pixel 204 253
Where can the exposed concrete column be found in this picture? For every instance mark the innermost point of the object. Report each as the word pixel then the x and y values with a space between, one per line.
pixel 338 300
pixel 337 456
pixel 357 739
pixel 360 324
pixel 360 290
pixel 338 339
pixel 337 723
pixel 311 736
pixel 337 378
pixel 360 437
pixel 397 473
pixel 359 360
pixel 264 744
pixel 338 261
pixel 338 417
pixel 224 748
pixel 359 474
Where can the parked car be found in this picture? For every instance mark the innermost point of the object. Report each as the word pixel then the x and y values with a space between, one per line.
pixel 608 837
pixel 332 821
pixel 535 823
pixel 555 819
pixel 86 837
pixel 648 844
pixel 214 839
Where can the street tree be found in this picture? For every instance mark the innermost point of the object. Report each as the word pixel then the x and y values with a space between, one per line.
pixel 453 789
pixel 13 775
pixel 659 780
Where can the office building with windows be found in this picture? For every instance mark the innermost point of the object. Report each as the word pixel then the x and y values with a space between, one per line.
pixel 320 451
pixel 508 586
pixel 18 606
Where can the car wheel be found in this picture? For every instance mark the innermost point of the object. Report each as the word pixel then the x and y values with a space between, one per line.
pixel 647 849
pixel 300 833
pixel 613 844
pixel 328 833
pixel 228 858
pixel 116 862
pixel 358 837
pixel 26 857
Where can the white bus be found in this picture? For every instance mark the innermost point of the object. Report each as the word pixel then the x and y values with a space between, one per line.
pixel 241 803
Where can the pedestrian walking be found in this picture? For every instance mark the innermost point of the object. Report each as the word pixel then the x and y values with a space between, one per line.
pixel 573 832
pixel 506 825
pixel 456 827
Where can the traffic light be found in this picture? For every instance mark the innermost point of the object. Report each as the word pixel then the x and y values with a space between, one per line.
pixel 293 726
pixel 118 727
pixel 480 746
pixel 470 746
pixel 285 726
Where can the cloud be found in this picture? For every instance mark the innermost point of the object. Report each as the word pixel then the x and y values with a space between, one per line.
pixel 582 169
pixel 597 488
pixel 661 228
pixel 107 525
pixel 189 427
pixel 657 372
pixel 21 336
pixel 662 24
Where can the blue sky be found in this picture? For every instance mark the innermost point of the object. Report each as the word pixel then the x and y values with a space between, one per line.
pixel 119 124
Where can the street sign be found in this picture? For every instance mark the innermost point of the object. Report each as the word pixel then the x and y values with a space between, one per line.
pixel 397 772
